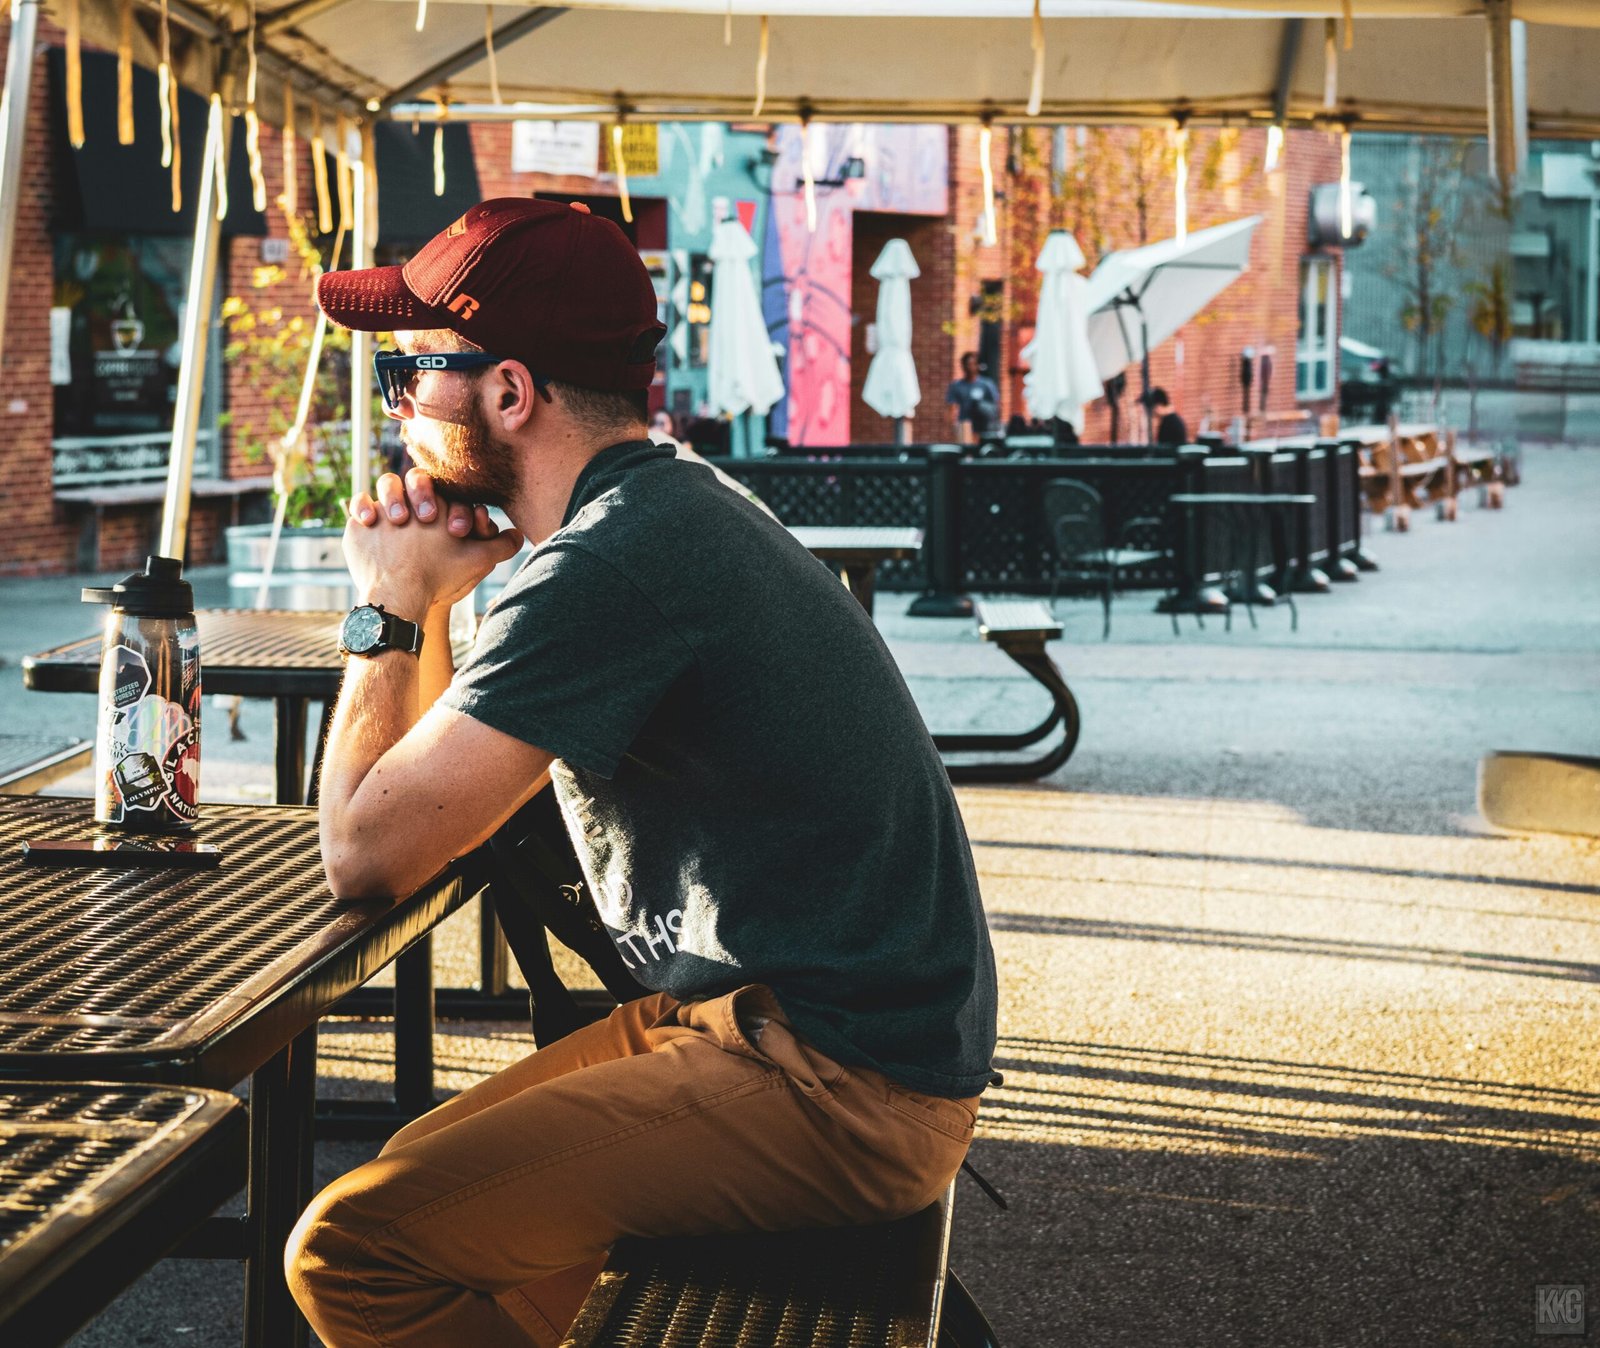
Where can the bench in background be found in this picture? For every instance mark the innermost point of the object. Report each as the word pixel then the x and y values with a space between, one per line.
pixel 29 763
pixel 1020 628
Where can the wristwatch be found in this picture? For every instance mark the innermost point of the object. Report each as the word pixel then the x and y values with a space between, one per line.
pixel 368 630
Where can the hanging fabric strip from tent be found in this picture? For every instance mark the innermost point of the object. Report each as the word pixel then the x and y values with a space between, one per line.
pixel 1036 89
pixel 1330 63
pixel 291 175
pixel 1274 152
pixel 1349 25
pixel 488 50
pixel 727 25
pixel 341 169
pixel 985 143
pixel 319 172
pixel 438 148
pixel 621 167
pixel 125 76
pixel 164 80
pixel 252 123
pixel 1180 183
pixel 806 178
pixel 422 13
pixel 212 154
pixel 1347 224
pixel 74 76
pixel 761 70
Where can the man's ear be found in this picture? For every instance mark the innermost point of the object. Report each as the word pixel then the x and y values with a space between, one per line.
pixel 515 395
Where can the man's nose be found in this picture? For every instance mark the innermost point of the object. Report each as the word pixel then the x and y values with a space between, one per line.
pixel 404 412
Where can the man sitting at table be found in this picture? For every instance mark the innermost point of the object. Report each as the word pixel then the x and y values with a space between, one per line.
pixel 762 819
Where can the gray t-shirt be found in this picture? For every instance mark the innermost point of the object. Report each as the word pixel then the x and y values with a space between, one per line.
pixel 749 785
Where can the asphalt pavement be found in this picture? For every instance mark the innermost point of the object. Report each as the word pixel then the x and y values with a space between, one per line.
pixel 1296 1050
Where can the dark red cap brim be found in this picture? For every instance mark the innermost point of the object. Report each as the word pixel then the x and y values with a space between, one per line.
pixel 374 300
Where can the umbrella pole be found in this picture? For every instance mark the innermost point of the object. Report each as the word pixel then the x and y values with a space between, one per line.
pixel 196 331
pixel 1144 379
pixel 902 430
pixel 19 77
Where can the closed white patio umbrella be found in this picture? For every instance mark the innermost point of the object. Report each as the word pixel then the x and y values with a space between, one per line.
pixel 892 389
pixel 1063 376
pixel 743 370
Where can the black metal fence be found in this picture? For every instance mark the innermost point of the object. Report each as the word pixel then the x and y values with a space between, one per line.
pixel 984 520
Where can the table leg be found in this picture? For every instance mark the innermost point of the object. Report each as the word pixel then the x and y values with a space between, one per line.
pixel 313 791
pixel 862 578
pixel 282 1101
pixel 289 749
pixel 494 965
pixel 413 1029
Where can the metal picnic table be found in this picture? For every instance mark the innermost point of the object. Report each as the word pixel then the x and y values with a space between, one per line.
pixel 1245 508
pixel 201 978
pixel 856 553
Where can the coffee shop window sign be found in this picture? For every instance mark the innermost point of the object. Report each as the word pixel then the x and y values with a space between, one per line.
pixel 115 336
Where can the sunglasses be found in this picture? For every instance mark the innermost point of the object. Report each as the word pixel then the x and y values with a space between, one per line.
pixel 397 371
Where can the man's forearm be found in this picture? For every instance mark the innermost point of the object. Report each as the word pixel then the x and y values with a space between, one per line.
pixel 438 664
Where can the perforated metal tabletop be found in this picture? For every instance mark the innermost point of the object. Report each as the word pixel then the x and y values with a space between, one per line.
pixel 96 1183
pixel 202 978
pixel 248 652
pixel 831 544
pixel 192 976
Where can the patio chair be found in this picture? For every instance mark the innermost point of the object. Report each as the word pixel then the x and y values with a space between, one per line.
pixel 1081 556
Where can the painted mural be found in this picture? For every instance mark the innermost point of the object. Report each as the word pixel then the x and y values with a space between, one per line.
pixel 806 274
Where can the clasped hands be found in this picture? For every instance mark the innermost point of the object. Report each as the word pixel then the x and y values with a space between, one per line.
pixel 413 553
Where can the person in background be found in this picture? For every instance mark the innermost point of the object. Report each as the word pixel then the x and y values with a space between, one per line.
pixel 1170 428
pixel 974 400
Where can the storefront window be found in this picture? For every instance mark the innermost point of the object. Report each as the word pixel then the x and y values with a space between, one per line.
pixel 116 327
pixel 1313 366
pixel 697 314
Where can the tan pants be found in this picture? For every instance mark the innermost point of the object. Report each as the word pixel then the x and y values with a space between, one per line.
pixel 487 1221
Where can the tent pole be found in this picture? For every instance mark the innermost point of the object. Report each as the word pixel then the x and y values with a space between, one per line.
pixel 196 331
pixel 13 125
pixel 364 242
pixel 1508 96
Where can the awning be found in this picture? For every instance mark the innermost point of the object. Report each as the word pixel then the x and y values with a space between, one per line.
pixel 1416 65
pixel 123 189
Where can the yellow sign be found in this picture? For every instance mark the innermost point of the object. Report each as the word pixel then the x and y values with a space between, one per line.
pixel 639 150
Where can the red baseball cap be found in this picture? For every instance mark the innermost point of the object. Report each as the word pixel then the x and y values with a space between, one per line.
pixel 545 283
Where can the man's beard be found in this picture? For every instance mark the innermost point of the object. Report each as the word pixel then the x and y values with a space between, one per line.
pixel 473 467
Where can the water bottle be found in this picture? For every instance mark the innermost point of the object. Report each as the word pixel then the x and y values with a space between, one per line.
pixel 147 748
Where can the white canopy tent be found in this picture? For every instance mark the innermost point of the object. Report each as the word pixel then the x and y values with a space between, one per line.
pixel 1414 65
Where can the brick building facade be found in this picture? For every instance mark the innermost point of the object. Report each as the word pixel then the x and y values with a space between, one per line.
pixel 1112 187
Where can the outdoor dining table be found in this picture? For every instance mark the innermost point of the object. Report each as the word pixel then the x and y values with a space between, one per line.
pixel 291 657
pixel 1246 510
pixel 203 978
pixel 856 553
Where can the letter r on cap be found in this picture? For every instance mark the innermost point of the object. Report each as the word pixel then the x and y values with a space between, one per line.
pixel 464 305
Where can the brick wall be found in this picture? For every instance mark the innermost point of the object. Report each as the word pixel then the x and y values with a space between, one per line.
pixel 43 536
pixel 40 536
pixel 1199 365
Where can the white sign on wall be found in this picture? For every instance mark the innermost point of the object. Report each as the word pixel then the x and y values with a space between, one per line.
pixel 555 147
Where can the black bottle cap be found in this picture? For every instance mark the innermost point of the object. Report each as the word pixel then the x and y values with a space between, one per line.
pixel 159 591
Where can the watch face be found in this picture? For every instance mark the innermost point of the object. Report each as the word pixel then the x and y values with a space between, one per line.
pixel 362 628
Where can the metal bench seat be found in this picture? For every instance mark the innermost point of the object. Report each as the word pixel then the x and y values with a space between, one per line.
pixel 96 1184
pixel 883 1286
pixel 1020 627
